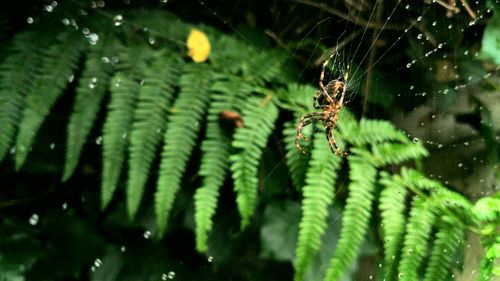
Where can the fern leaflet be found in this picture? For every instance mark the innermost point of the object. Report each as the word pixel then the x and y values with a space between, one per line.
pixel 374 131
pixel 297 162
pixel 154 100
pixel 418 230
pixel 59 62
pixel 318 194
pixel 448 239
pixel 92 88
pixel 180 137
pixel 16 75
pixel 392 207
pixel 216 148
pixel 124 90
pixel 259 116
pixel 356 215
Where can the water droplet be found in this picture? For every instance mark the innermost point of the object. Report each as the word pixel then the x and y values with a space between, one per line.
pixel 370 277
pixel 419 18
pixel 97 262
pixel 408 65
pixel 210 259
pixel 123 249
pixel 98 140
pixel 410 252
pixel 450 26
pixel 400 275
pixel 33 219
pixel 415 140
pixel 71 78
pixel 151 40
pixel 49 8
pixel 163 1
pixel 30 20
pixel 171 275
pixel 65 21
pixel 93 38
pixel 460 165
pixel 164 277
pixel 93 82
pixel 420 36
pixel 434 23
pixel 64 206
pixel 118 20
pixel 147 234
pixel 101 4
pixel 52 146
pixel 105 60
pixel 12 150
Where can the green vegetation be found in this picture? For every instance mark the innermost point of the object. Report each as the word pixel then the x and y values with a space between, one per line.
pixel 169 155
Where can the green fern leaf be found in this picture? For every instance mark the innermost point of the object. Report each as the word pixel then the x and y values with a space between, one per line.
pixel 16 74
pixel 259 116
pixel 448 239
pixel 392 207
pixel 396 153
pixel 59 62
pixel 124 89
pixel 92 88
pixel 318 194
pixel 230 95
pixel 180 137
pixel 296 160
pixel 215 162
pixel 374 131
pixel 154 100
pixel 418 230
pixel 356 215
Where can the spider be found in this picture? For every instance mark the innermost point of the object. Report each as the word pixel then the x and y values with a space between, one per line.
pixel 331 105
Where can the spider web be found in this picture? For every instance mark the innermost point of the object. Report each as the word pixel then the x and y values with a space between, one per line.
pixel 387 45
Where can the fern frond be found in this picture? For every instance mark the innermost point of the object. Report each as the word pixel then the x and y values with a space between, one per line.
pixel 418 230
pixel 259 116
pixel 318 194
pixel 93 85
pixel 155 96
pixel 374 131
pixel 214 164
pixel 59 62
pixel 229 94
pixel 392 207
pixel 356 215
pixel 261 66
pixel 396 153
pixel 16 75
pixel 180 137
pixel 124 89
pixel 448 240
pixel 296 161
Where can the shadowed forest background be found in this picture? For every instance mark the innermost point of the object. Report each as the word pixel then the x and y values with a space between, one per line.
pixel 156 140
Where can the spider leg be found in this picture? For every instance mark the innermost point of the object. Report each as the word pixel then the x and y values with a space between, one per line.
pixel 322 76
pixel 333 144
pixel 316 103
pixel 346 76
pixel 304 121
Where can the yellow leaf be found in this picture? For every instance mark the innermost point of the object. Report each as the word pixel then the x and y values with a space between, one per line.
pixel 198 45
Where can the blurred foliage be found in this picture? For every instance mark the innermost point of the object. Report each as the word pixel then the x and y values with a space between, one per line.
pixel 202 157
